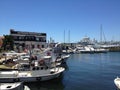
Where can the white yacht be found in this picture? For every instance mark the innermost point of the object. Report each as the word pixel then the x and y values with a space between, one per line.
pixel 13 86
pixel 117 82
pixel 38 74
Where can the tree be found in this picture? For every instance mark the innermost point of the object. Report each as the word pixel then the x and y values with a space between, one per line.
pixel 8 42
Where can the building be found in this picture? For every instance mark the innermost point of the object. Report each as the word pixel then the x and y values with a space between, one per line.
pixel 28 40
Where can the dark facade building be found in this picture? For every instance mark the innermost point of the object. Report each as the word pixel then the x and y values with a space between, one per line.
pixel 28 39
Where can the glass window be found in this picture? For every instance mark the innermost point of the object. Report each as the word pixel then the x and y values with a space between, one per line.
pixel 37 38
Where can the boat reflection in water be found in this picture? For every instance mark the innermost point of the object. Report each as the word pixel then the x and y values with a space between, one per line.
pixel 55 84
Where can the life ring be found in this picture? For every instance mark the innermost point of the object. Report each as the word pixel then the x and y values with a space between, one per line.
pixel 16 80
pixel 38 78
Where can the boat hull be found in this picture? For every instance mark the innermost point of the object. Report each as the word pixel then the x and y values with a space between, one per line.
pixel 34 78
pixel 12 86
pixel 117 82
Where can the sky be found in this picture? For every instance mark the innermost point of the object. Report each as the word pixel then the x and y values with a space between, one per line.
pixel 59 17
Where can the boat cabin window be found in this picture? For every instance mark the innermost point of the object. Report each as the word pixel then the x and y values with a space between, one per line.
pixel 25 66
pixel 9 86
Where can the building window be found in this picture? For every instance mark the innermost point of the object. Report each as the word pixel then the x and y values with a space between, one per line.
pixel 37 38
pixel 20 38
pixel 15 37
pixel 32 38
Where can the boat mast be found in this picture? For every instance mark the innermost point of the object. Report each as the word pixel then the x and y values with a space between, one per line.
pixel 101 33
pixel 64 36
pixel 69 36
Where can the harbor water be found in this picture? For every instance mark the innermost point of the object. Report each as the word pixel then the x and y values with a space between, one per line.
pixel 85 72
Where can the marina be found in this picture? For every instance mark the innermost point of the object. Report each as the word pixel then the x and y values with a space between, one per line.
pixel 60 45
pixel 86 72
pixel 60 66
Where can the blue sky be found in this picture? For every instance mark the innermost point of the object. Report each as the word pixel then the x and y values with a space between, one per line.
pixel 81 17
